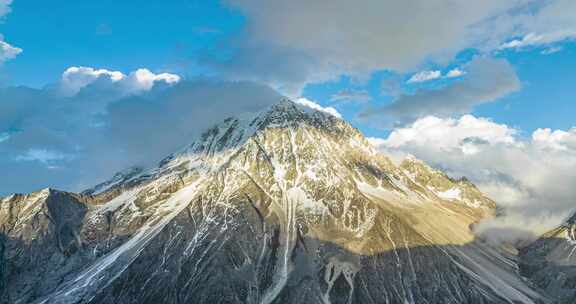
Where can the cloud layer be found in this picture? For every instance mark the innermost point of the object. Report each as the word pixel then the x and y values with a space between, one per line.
pixel 487 80
pixel 532 178
pixel 290 43
pixel 95 122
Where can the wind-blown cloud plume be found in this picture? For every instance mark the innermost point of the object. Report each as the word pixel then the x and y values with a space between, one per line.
pixel 314 105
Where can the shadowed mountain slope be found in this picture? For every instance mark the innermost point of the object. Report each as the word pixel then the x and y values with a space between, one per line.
pixel 550 262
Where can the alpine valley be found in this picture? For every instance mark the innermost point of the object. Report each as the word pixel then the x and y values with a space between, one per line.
pixel 288 205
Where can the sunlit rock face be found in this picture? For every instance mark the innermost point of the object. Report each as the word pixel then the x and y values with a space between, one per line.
pixel 290 205
pixel 550 262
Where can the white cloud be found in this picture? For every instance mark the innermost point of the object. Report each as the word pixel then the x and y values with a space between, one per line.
pixel 425 76
pixel 455 73
pixel 557 140
pixel 290 43
pixel 533 178
pixel 143 79
pixel 76 78
pixel 487 80
pixel 8 51
pixel 449 133
pixel 530 39
pixel 313 105
pixel 533 39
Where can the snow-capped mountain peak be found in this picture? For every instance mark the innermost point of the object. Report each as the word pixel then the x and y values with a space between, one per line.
pixel 258 207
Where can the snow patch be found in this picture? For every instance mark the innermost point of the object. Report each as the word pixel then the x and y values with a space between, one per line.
pixel 450 194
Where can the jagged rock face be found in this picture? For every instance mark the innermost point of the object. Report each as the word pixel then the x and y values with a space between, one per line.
pixel 288 206
pixel 550 262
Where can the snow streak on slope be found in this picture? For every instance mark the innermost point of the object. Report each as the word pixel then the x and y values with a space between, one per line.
pixel 96 276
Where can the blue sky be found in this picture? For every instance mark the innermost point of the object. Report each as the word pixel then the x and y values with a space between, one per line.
pixel 516 61
pixel 117 35
pixel 167 35
pixel 547 97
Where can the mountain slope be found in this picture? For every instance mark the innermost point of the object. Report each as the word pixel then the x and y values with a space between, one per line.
pixel 287 206
pixel 550 261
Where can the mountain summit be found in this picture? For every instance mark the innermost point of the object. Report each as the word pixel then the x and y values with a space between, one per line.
pixel 290 205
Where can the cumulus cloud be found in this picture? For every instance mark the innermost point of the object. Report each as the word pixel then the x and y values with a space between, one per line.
pixel 425 76
pixel 487 80
pixel 556 140
pixel 7 51
pixel 461 132
pixel 76 78
pixel 351 95
pixel 313 105
pixel 531 178
pixel 290 43
pixel 72 142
